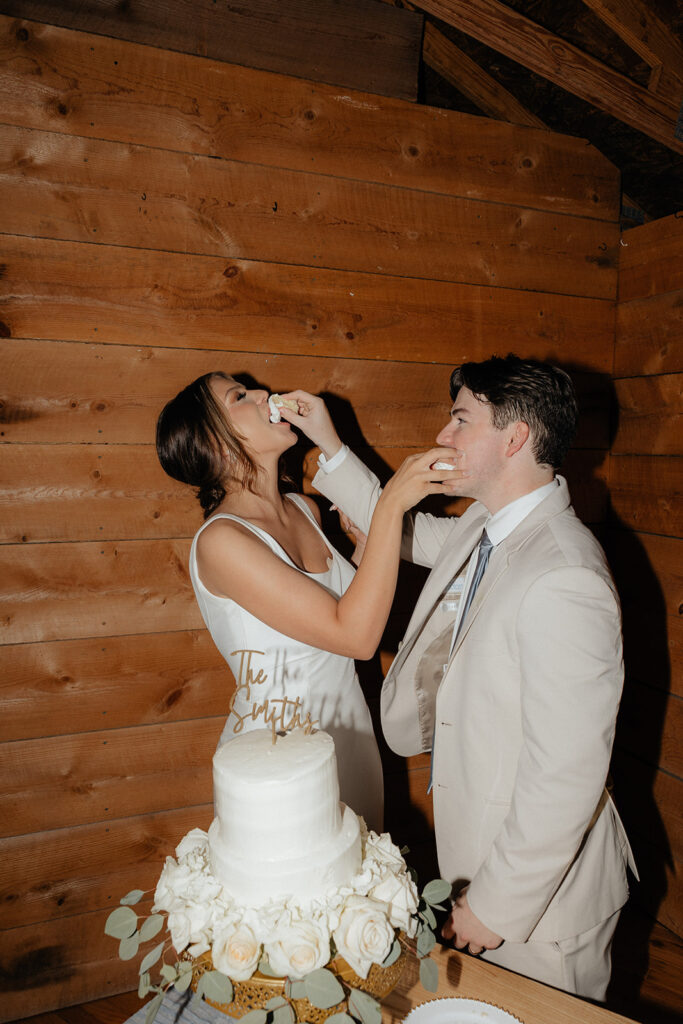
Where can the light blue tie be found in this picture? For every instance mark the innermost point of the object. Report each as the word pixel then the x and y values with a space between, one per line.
pixel 485 548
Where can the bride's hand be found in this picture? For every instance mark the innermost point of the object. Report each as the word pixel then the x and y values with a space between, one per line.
pixel 415 478
pixel 314 420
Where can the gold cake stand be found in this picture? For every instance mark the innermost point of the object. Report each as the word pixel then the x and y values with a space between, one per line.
pixel 259 989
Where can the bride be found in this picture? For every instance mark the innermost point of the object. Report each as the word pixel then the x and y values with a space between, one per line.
pixel 285 609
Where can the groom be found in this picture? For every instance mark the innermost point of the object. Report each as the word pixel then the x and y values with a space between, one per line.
pixel 511 673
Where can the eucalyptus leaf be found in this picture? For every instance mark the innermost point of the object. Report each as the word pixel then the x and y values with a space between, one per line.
pixel 436 890
pixel 128 948
pixel 151 927
pixel 182 982
pixel 393 954
pixel 339 1018
pixel 168 973
pixel 217 987
pixel 284 1015
pixel 364 1007
pixel 151 958
pixel 429 974
pixel 265 968
pixel 429 916
pixel 425 943
pixel 184 966
pixel 131 898
pixel 145 985
pixel 255 1017
pixel 297 990
pixel 121 923
pixel 153 1007
pixel 276 1002
pixel 322 989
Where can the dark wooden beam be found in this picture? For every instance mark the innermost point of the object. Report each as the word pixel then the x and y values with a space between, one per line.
pixel 358 45
pixel 532 46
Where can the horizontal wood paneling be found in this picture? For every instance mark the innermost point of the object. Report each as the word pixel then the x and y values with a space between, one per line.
pixel 646 493
pixel 649 333
pixel 67 291
pixel 149 198
pixel 73 686
pixel 101 776
pixel 364 46
pixel 57 874
pixel 113 588
pixel 650 259
pixel 67 81
pixel 91 393
pixel 649 416
pixel 60 962
pixel 58 492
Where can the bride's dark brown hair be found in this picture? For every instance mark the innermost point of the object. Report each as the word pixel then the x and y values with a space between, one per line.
pixel 197 444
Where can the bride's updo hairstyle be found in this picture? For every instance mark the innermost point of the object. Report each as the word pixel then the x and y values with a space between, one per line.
pixel 197 444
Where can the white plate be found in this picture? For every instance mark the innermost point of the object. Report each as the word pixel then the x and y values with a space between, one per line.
pixel 459 1011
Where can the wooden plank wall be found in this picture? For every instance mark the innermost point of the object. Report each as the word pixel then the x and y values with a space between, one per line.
pixel 164 215
pixel 644 542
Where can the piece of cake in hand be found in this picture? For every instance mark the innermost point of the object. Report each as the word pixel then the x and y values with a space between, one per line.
pixel 277 402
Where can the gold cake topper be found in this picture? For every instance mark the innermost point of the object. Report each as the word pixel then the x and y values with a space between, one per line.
pixel 282 714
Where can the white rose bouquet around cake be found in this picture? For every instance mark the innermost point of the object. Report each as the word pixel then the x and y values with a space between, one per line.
pixel 312 925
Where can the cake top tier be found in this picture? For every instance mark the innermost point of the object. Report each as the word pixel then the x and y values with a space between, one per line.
pixel 256 760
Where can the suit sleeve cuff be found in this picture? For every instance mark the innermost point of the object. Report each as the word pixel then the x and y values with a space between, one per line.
pixel 329 465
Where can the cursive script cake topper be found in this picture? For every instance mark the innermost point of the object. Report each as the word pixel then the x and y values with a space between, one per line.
pixel 282 714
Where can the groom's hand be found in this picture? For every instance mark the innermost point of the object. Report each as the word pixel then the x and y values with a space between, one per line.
pixel 467 930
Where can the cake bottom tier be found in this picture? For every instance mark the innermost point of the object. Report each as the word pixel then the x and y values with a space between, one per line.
pixel 254 881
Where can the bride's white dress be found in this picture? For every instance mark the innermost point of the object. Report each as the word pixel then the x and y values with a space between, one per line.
pixel 270 666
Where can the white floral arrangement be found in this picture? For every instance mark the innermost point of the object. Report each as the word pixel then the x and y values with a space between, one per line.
pixel 364 922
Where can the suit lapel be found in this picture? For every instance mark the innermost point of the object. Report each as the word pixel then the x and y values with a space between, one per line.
pixel 451 561
pixel 500 557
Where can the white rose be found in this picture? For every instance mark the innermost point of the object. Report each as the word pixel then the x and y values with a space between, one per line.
pixel 301 947
pixel 179 927
pixel 364 936
pixel 189 923
pixel 236 952
pixel 197 840
pixel 400 893
pixel 172 882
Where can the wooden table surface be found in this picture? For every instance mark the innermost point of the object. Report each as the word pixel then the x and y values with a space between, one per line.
pixel 470 978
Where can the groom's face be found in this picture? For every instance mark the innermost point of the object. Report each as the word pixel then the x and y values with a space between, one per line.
pixel 470 430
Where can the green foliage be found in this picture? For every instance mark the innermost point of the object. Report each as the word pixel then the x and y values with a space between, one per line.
pixel 131 898
pixel 364 1007
pixel 153 1007
pixel 121 923
pixel 323 989
pixel 145 985
pixel 425 942
pixel 339 1018
pixel 429 974
pixel 265 968
pixel 255 1017
pixel 215 986
pixel 151 958
pixel 436 891
pixel 393 954
pixel 296 990
pixel 151 927
pixel 128 948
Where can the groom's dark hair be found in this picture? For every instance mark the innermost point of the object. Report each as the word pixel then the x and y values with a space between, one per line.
pixel 538 394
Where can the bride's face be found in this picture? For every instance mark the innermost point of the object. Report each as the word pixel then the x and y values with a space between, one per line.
pixel 249 414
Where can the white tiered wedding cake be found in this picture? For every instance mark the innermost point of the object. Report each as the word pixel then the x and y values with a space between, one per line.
pixel 280 830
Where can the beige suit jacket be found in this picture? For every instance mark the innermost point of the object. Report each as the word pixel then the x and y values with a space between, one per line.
pixel 522 713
